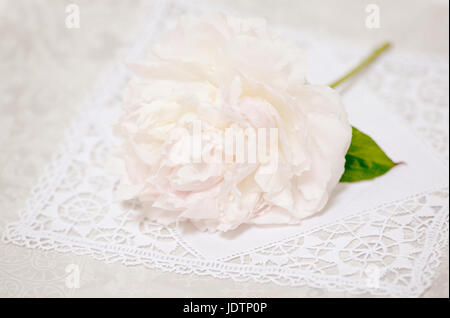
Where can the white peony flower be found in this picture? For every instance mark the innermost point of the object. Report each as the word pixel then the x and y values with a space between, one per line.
pixel 228 73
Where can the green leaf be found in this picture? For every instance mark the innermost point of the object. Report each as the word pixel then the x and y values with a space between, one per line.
pixel 364 159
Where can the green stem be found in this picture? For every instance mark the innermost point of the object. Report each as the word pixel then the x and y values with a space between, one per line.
pixel 372 57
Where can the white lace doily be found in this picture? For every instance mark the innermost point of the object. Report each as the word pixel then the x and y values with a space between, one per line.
pixel 386 241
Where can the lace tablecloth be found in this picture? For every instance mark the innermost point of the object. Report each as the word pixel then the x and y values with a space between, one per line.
pixel 71 190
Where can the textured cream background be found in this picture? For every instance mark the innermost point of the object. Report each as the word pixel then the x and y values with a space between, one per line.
pixel 47 69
